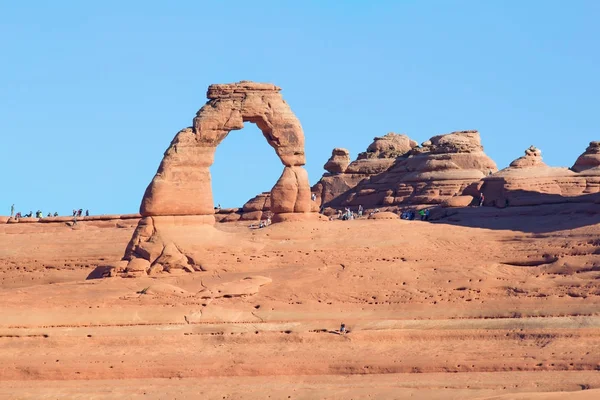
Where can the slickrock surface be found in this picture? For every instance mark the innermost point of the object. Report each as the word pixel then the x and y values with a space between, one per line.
pixel 507 307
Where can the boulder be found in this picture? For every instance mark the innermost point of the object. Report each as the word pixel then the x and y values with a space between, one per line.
pixel 138 265
pixel 458 201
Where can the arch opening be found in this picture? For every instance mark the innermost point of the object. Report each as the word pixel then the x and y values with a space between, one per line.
pixel 245 166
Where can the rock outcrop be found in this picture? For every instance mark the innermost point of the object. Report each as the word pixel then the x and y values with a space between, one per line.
pixel 589 161
pixel 442 167
pixel 338 162
pixel 380 155
pixel 180 196
pixel 529 181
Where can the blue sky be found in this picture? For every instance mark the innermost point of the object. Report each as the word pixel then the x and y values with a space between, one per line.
pixel 93 92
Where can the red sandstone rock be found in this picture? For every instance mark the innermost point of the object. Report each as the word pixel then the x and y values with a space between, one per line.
pixel 529 181
pixel 589 161
pixel 391 145
pixel 261 202
pixel 532 158
pixel 180 195
pixel 338 162
pixel 458 201
pixel 445 166
pixel 182 185
pixel 384 215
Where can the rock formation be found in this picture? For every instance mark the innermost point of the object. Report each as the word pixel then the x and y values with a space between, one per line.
pixel 339 161
pixel 589 161
pixel 529 181
pixel 442 167
pixel 179 197
pixel 380 155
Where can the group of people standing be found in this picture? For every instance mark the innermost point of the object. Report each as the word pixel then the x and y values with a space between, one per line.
pixel 40 214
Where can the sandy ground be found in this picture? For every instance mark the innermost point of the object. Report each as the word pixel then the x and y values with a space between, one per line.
pixel 434 311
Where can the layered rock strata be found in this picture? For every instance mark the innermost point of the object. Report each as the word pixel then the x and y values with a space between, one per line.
pixel 529 181
pixel 441 168
pixel 380 155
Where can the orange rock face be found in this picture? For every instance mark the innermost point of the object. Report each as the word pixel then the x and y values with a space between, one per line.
pixel 180 193
pixel 529 181
pixel 405 174
pixel 337 164
pixel 589 161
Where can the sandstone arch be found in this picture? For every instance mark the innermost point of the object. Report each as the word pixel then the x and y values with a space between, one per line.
pixel 182 185
pixel 179 197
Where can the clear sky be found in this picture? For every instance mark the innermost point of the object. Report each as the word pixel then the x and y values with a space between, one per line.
pixel 91 93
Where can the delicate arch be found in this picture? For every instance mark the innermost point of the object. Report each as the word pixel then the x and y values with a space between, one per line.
pixel 182 184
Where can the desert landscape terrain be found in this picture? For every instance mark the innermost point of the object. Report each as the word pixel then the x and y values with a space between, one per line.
pixel 434 310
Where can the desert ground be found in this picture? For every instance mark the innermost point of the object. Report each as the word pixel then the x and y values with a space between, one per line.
pixel 503 305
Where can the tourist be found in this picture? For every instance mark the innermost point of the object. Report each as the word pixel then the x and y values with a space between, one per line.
pixel 342 329
pixel 49 215
pixel 481 199
pixel 313 197
pixel 55 214
pixel 422 214
pixel 18 215
pixel 12 210
pixel 87 213
pixel 360 210
pixel 427 215
pixel 79 212
pixel 74 212
pixel 38 214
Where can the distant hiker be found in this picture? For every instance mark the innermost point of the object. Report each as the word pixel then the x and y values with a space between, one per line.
pixel 29 215
pixel 49 215
pixel 87 213
pixel 79 212
pixel 343 329
pixel 360 210
pixel 74 213
pixel 427 215
pixel 481 199
pixel 38 214
pixel 18 215
pixel 75 219
pixel 422 214
pixel 313 197
pixel 55 214
pixel 12 210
